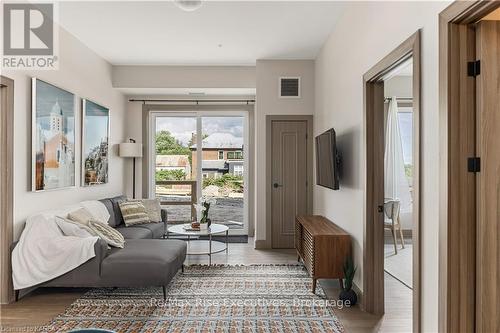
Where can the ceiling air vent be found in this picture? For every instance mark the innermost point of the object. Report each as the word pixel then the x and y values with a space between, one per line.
pixel 290 87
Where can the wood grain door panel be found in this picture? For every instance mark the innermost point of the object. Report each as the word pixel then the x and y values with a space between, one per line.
pixel 289 172
pixel 488 181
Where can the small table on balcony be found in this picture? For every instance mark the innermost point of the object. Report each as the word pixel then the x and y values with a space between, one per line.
pixel 202 247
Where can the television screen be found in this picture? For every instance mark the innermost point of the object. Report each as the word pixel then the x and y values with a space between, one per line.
pixel 327 164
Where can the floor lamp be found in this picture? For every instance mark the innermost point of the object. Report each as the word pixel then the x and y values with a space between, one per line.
pixel 134 150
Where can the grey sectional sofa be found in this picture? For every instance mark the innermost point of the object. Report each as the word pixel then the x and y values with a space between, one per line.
pixel 146 259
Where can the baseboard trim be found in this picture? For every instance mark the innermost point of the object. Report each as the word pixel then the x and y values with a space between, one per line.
pixel 262 244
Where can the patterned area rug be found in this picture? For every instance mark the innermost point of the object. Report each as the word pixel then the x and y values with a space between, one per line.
pixel 221 298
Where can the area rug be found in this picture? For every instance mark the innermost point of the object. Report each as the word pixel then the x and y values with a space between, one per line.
pixel 217 298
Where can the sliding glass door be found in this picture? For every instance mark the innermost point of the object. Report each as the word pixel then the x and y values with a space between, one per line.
pixel 183 173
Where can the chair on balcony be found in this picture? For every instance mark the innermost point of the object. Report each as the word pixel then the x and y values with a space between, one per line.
pixel 392 222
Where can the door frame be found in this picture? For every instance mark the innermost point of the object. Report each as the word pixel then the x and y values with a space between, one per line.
pixel 373 249
pixel 269 121
pixel 457 188
pixel 6 189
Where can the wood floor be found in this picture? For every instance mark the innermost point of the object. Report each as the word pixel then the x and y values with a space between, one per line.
pixel 39 307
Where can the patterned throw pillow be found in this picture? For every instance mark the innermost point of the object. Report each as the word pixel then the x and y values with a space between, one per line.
pixel 133 213
pixel 153 208
pixel 109 234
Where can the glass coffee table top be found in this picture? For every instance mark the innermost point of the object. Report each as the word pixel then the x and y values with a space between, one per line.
pixel 213 229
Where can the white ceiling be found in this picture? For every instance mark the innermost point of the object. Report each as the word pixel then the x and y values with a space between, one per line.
pixel 219 33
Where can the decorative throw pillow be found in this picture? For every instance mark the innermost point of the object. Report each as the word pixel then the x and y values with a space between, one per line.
pixel 70 228
pixel 153 208
pixel 97 209
pixel 81 216
pixel 109 234
pixel 133 213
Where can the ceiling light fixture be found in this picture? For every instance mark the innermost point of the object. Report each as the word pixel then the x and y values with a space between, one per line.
pixel 188 5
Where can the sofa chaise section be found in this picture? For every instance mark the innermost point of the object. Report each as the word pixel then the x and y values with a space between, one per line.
pixel 141 263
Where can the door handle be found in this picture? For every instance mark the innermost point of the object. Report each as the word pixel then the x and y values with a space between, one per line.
pixel 276 185
pixel 380 209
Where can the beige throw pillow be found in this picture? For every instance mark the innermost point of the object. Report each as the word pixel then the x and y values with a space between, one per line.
pixel 153 208
pixel 109 234
pixel 81 216
pixel 133 213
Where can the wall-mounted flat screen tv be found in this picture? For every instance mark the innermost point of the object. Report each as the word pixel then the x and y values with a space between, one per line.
pixel 327 160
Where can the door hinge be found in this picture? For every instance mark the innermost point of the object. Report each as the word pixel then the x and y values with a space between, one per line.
pixel 474 164
pixel 307 136
pixel 474 68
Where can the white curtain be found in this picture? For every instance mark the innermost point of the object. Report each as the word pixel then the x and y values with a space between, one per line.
pixel 396 182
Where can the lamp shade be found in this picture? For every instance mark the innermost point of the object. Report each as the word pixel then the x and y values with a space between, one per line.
pixel 130 149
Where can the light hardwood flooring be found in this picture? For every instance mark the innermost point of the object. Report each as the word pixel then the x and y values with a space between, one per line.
pixel 39 307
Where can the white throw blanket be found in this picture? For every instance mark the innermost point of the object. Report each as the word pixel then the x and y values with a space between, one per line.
pixel 44 253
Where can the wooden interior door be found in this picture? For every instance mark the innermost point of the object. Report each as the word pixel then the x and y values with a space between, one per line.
pixel 488 184
pixel 289 179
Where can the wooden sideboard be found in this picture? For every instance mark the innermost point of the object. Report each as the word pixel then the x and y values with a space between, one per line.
pixel 322 246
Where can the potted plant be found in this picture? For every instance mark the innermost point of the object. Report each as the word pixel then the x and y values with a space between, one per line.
pixel 347 293
pixel 202 209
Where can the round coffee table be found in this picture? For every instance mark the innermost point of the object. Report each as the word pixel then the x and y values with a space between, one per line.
pixel 202 247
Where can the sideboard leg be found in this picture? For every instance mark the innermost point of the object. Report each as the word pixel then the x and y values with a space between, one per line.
pixel 314 286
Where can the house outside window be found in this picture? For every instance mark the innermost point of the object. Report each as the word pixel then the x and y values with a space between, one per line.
pixel 221 154
pixel 238 170
pixel 234 155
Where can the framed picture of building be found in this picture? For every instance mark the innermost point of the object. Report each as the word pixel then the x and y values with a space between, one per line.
pixel 95 143
pixel 53 137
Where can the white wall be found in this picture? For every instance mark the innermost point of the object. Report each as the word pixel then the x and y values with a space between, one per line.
pixel 365 34
pixel 85 74
pixel 269 103
pixel 184 76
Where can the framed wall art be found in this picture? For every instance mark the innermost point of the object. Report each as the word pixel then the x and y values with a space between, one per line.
pixel 95 143
pixel 53 137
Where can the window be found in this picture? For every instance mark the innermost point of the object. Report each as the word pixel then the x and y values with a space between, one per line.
pixel 405 119
pixel 238 170
pixel 176 138
pixel 234 155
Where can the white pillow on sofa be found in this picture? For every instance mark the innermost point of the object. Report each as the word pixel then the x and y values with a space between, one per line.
pixel 97 209
pixel 70 228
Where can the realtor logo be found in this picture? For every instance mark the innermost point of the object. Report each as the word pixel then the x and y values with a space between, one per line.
pixel 28 36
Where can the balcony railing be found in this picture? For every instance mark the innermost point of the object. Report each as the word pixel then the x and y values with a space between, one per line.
pixel 179 187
